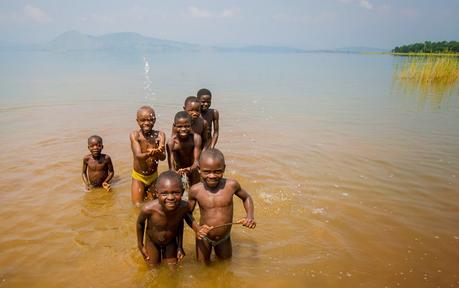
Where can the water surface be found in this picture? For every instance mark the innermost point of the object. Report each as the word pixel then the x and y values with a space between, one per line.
pixel 354 175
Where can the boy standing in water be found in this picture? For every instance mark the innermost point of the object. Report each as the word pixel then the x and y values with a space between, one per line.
pixel 184 147
pixel 97 167
pixel 198 125
pixel 215 198
pixel 210 116
pixel 163 218
pixel 148 149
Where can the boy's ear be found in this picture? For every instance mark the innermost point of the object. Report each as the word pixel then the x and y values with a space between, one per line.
pixel 102 147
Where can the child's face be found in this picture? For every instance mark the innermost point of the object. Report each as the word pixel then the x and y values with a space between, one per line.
pixel 211 170
pixel 193 109
pixel 169 193
pixel 205 101
pixel 146 120
pixel 95 147
pixel 182 127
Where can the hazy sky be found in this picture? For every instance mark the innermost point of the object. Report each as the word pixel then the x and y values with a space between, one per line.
pixel 303 24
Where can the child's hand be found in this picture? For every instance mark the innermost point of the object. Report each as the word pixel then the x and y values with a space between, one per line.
pixel 202 231
pixel 106 186
pixel 183 171
pixel 247 222
pixel 180 254
pixel 143 251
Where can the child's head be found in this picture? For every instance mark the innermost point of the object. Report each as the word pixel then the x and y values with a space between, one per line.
pixel 146 118
pixel 182 124
pixel 95 145
pixel 169 189
pixel 205 98
pixel 211 166
pixel 192 107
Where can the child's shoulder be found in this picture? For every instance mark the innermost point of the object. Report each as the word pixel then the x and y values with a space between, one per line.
pixel 196 188
pixel 150 206
pixel 135 134
pixel 232 184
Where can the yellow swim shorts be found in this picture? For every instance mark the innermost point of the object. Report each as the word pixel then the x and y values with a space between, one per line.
pixel 145 179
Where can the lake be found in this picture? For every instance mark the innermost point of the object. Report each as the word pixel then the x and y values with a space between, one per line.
pixel 354 173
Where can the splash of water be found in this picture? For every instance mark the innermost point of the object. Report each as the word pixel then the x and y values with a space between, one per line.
pixel 150 94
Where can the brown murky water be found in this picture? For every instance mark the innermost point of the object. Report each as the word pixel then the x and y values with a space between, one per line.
pixel 355 182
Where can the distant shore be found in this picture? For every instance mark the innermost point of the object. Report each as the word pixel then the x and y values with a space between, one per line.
pixel 414 54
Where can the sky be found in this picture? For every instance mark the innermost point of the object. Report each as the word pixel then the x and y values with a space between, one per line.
pixel 324 24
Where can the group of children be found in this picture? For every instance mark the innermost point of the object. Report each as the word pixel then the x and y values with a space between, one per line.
pixel 193 162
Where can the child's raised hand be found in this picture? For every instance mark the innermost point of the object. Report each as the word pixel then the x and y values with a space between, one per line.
pixel 202 231
pixel 106 186
pixel 247 222
pixel 180 254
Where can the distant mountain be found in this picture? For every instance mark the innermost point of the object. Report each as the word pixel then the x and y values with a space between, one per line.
pixel 74 40
pixel 128 41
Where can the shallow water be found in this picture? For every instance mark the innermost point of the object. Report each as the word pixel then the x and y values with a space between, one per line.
pixel 354 174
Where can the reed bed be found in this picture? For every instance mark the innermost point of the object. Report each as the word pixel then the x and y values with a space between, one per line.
pixel 429 70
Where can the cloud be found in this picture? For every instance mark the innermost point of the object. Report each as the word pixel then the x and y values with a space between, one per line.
pixel 28 14
pixel 196 12
pixel 365 4
pixel 319 18
pixel 362 3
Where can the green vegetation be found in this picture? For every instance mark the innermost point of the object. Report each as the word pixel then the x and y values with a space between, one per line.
pixel 444 47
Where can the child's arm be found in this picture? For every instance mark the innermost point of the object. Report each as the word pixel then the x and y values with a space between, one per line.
pixel 83 173
pixel 161 153
pixel 180 251
pixel 215 121
pixel 143 216
pixel 197 150
pixel 111 172
pixel 249 220
pixel 170 155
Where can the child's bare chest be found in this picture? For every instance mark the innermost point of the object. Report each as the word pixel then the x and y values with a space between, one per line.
pixel 148 142
pixel 96 164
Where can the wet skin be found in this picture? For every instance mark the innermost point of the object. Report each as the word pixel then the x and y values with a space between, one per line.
pixel 163 218
pixel 97 167
pixel 211 120
pixel 215 198
pixel 198 125
pixel 184 149
pixel 148 148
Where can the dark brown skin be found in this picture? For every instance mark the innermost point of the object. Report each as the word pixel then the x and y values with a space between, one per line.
pixel 163 218
pixel 215 198
pixel 97 167
pixel 184 149
pixel 198 125
pixel 211 119
pixel 148 148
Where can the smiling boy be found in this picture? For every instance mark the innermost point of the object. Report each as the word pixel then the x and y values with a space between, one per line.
pixel 97 167
pixel 148 148
pixel 215 198
pixel 184 148
pixel 192 106
pixel 211 117
pixel 163 218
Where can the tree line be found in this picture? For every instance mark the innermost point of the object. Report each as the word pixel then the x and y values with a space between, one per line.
pixel 429 47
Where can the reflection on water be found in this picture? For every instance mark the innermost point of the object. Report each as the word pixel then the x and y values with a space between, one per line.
pixel 349 189
pixel 433 81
